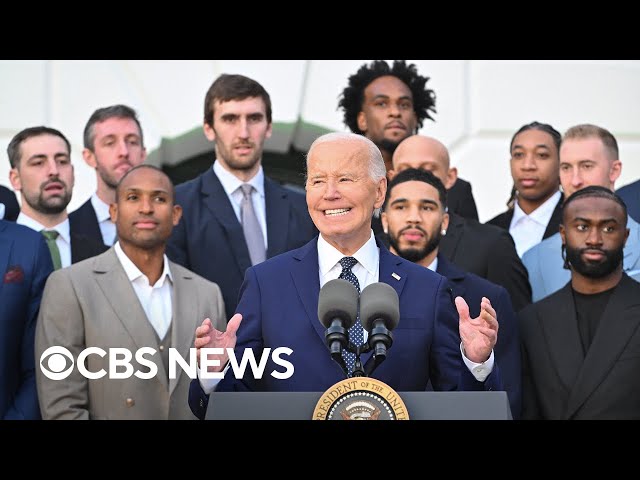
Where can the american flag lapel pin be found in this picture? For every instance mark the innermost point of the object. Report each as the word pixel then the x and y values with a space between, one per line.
pixel 395 275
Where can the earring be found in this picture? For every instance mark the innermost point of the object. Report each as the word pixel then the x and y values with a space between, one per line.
pixel 385 231
pixel 443 231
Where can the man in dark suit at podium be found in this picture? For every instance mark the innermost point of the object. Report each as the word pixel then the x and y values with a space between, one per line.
pixel 214 237
pixel 346 181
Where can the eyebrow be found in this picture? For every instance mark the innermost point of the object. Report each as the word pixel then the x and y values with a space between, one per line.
pixel 540 145
pixel 42 155
pixel 423 201
pixel 138 190
pixel 588 220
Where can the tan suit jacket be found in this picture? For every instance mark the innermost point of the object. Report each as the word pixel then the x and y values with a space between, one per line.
pixel 92 304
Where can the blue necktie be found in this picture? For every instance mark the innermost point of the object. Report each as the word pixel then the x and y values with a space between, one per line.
pixel 356 335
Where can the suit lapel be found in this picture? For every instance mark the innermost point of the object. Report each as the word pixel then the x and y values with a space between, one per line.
pixel 184 320
pixel 614 331
pixel 555 220
pixel 117 289
pixel 449 242
pixel 559 324
pixel 277 210
pixel 219 205
pixel 391 269
pixel 632 249
pixel 307 283
pixel 5 249
pixel 453 274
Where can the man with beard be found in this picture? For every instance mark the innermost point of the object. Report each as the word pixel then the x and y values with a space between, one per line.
pixel 235 216
pixel 580 345
pixel 41 171
pixel 486 250
pixel 414 218
pixel 588 156
pixel 113 144
pixel 387 104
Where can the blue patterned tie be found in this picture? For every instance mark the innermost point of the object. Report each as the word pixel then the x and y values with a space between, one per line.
pixel 356 335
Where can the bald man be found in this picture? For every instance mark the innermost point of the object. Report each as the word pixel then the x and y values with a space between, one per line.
pixel 485 250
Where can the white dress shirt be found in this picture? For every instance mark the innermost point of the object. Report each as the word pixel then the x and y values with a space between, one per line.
pixel 107 227
pixel 155 299
pixel 231 185
pixel 64 236
pixel 528 230
pixel 1 210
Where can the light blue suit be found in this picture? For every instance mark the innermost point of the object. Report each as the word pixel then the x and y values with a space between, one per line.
pixel 545 265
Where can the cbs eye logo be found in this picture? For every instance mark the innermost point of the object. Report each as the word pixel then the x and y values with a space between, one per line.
pixel 54 368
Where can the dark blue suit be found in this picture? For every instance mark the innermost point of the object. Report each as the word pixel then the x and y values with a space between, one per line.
pixel 25 264
pixel 631 196
pixel 279 305
pixel 507 349
pixel 209 239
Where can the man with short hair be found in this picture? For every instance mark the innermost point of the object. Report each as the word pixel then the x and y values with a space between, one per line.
pixel 130 297
pixel 485 250
pixel 414 217
pixel 588 156
pixel 580 344
pixel 41 171
pixel 346 181
pixel 234 215
pixel 113 144
pixel 388 103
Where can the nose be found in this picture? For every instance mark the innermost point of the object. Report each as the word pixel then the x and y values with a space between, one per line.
pixel 243 128
pixel 594 238
pixel 123 148
pixel 576 179
pixel 529 163
pixel 394 110
pixel 331 190
pixel 53 167
pixel 146 204
pixel 413 215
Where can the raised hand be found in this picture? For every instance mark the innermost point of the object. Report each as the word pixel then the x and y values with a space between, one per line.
pixel 479 335
pixel 209 337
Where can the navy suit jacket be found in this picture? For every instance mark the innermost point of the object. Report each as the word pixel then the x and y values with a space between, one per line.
pixel 25 264
pixel 279 305
pixel 507 349
pixel 84 221
pixel 209 239
pixel 631 196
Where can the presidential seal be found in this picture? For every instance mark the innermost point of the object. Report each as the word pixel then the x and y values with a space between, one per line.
pixel 360 398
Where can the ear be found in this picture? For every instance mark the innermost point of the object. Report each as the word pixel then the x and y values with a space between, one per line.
pixel 14 178
pixel 269 131
pixel 390 174
pixel 209 132
pixel 362 122
pixel 381 191
pixel 385 222
pixel 615 171
pixel 89 158
pixel 452 177
pixel 143 155
pixel 562 234
pixel 113 211
pixel 176 214
pixel 445 221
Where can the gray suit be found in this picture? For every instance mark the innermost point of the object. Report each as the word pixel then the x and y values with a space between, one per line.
pixel 92 303
pixel 545 265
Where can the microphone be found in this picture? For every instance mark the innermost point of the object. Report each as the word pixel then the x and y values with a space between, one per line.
pixel 379 314
pixel 337 311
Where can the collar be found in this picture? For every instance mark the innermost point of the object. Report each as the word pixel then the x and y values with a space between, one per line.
pixel 231 183
pixel 101 208
pixel 133 272
pixel 367 255
pixel 433 266
pixel 62 228
pixel 540 215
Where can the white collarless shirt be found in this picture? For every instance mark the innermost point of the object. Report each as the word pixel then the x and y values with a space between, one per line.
pixel 231 185
pixel 528 230
pixel 64 235
pixel 155 299
pixel 107 227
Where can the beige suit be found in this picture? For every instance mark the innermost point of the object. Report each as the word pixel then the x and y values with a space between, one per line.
pixel 92 304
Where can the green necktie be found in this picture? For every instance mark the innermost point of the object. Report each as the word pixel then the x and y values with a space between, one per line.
pixel 51 236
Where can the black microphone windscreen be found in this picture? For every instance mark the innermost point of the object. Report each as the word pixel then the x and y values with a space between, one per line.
pixel 338 299
pixel 379 300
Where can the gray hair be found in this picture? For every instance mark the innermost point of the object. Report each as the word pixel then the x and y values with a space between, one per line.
pixel 377 169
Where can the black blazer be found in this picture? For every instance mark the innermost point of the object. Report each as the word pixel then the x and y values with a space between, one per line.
pixel 558 381
pixel 507 349
pixel 460 200
pixel 11 205
pixel 490 253
pixel 83 246
pixel 209 239
pixel 504 220
pixel 85 222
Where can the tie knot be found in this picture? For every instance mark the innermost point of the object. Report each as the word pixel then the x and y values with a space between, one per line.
pixel 347 263
pixel 247 190
pixel 50 234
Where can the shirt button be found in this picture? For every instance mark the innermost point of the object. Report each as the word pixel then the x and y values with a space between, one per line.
pixel 130 402
pixel 162 348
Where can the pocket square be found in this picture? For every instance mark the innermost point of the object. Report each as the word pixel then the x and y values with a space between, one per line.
pixel 14 274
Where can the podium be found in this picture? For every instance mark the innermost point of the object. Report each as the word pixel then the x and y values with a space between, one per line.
pixel 300 405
